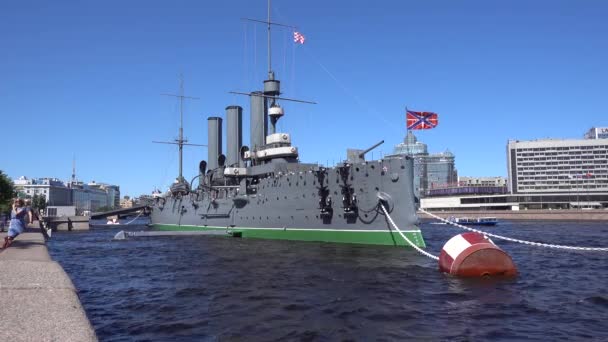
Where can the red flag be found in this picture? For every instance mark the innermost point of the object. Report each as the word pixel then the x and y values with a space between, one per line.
pixel 421 120
pixel 298 37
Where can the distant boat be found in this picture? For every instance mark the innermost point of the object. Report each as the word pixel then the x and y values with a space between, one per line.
pixel 111 223
pixel 479 221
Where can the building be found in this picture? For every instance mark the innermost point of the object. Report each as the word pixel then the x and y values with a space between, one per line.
pixel 471 186
pixel 430 170
pixel 440 170
pixel 597 133
pixel 85 197
pixel 482 181
pixel 127 203
pixel 54 190
pixel 112 191
pixel 544 174
pixel 557 166
pixel 417 150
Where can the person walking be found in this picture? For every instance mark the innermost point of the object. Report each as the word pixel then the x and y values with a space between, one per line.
pixel 30 211
pixel 17 223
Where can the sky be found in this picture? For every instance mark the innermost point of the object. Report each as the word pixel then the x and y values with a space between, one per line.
pixel 82 80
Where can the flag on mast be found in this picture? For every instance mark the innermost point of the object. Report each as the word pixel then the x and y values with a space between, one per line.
pixel 298 37
pixel 421 120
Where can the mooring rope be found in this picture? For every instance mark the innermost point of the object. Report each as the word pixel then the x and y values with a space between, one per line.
pixel 532 243
pixel 136 217
pixel 420 250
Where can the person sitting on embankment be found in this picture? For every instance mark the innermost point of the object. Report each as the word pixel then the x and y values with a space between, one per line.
pixel 17 224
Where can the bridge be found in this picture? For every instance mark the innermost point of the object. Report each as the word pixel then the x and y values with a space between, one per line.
pixel 122 211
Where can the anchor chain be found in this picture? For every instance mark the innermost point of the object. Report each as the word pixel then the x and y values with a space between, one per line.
pixel 420 250
pixel 531 243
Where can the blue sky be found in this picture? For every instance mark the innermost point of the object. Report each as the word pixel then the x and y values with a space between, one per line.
pixel 84 78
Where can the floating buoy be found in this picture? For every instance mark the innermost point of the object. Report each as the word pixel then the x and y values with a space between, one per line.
pixel 474 255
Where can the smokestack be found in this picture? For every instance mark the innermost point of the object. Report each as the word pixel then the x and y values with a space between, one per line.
pixel 259 120
pixel 234 133
pixel 214 141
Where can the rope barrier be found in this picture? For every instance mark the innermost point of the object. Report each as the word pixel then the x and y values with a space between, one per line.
pixel 420 250
pixel 532 243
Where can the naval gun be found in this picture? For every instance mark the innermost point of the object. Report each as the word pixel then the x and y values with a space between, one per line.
pixel 358 156
pixel 362 154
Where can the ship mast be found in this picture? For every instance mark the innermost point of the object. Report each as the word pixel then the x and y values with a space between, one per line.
pixel 266 101
pixel 270 73
pixel 180 141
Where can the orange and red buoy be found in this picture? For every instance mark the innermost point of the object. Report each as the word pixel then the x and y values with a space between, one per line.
pixel 474 255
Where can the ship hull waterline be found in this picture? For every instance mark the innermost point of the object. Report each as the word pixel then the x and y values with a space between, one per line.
pixel 367 237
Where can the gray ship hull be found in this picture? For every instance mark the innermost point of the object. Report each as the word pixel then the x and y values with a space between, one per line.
pixel 290 201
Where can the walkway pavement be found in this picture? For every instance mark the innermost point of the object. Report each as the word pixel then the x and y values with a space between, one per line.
pixel 38 301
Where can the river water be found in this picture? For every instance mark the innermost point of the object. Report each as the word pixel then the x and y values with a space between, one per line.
pixel 209 288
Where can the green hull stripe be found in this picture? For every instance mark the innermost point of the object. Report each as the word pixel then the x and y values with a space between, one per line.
pixel 391 238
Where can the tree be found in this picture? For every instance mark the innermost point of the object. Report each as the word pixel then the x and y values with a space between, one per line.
pixel 126 198
pixel 7 192
pixel 39 202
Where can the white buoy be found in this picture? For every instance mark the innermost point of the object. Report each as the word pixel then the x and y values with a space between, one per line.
pixel 120 235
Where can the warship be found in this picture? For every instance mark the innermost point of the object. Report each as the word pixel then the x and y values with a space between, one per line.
pixel 264 191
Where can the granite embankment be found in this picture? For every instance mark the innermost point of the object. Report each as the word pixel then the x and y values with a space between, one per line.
pixel 39 301
pixel 527 215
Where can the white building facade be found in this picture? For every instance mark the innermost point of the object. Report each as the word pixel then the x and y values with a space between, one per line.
pixel 85 197
pixel 557 166
pixel 54 190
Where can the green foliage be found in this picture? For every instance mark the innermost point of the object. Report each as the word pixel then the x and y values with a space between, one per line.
pixel 39 202
pixel 6 192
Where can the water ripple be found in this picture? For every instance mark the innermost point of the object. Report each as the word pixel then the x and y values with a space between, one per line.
pixel 215 289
